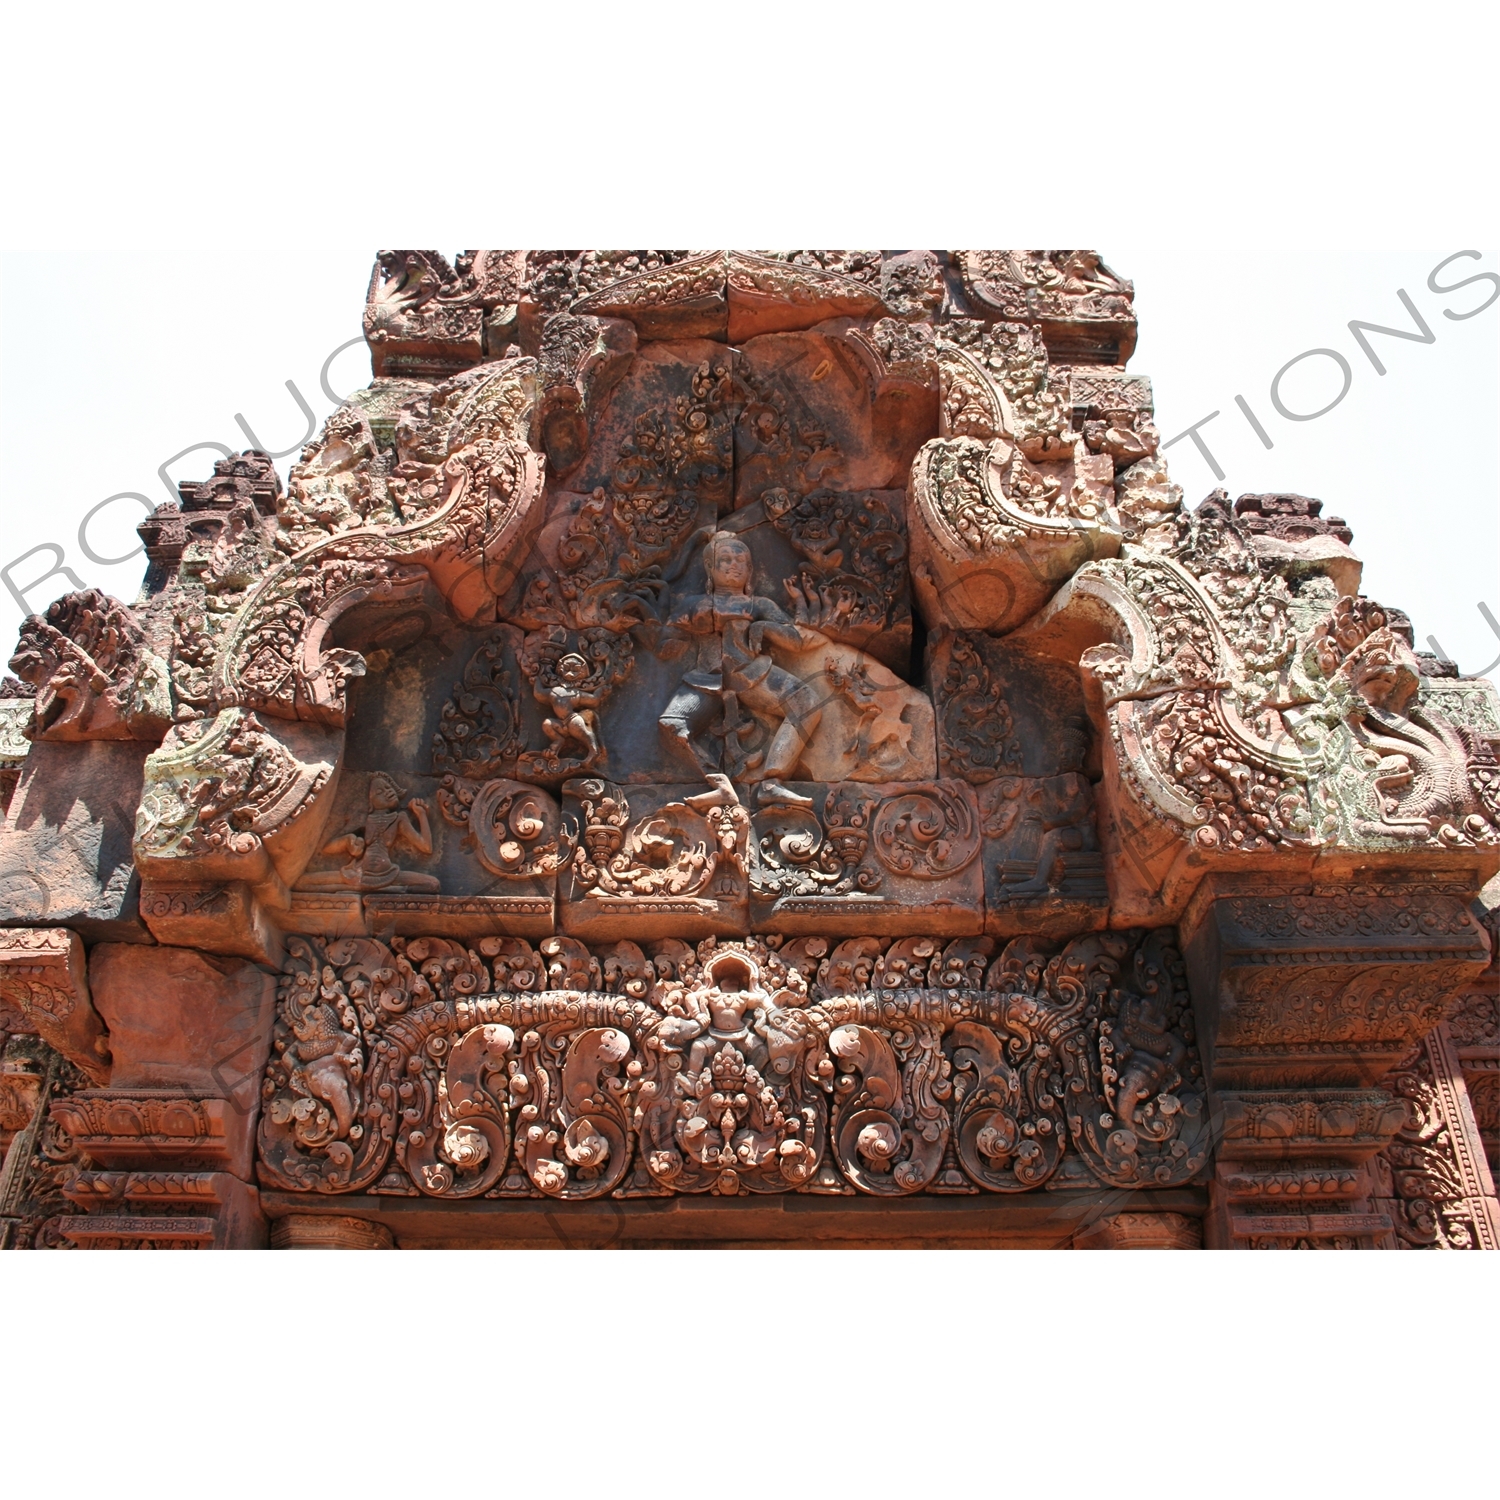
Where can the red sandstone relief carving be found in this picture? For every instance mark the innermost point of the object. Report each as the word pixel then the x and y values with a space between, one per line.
pixel 749 723
pixel 734 1066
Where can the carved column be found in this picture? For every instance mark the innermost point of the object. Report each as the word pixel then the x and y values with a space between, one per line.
pixel 1307 997
pixel 1433 1179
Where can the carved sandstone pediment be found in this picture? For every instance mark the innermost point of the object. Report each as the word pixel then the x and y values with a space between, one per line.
pixel 752 722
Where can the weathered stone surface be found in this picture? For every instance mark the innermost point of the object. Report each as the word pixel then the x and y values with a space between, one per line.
pixel 733 738
pixel 190 1036
pixel 1130 1231
pixel 328 1232
pixel 183 1019
pixel 162 1210
pixel 1300 983
pixel 65 855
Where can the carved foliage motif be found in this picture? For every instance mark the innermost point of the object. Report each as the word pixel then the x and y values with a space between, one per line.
pixel 988 495
pixel 1084 307
pixel 224 790
pixel 746 1065
pixel 463 488
pixel 797 853
pixel 44 990
pixel 854 551
pixel 996 384
pixel 976 733
pixel 479 730
pixel 39 1157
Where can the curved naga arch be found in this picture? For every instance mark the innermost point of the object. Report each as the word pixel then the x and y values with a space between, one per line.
pixel 437 526
pixel 469 494
pixel 1244 716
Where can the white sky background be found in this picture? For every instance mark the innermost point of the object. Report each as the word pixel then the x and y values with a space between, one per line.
pixel 112 362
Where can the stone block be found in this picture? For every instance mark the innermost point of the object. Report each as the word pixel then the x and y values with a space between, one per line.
pixel 1326 985
pixel 156 1128
pixel 221 916
pixel 163 1210
pixel 65 856
pixel 44 989
pixel 1133 1231
pixel 329 1232
pixel 191 1032
pixel 182 1019
pixel 1043 869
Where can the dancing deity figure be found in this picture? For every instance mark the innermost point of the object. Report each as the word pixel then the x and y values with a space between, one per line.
pixel 730 629
pixel 573 707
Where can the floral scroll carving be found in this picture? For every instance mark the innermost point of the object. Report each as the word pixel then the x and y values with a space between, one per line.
pixel 886 1068
pixel 1433 1175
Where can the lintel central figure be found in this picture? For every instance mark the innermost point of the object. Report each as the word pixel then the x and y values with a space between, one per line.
pixel 731 629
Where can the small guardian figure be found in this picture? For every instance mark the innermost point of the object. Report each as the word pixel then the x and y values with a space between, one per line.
pixel 574 707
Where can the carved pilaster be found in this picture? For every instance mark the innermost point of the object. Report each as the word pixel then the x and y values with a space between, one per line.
pixel 1433 1179
pixel 37 1157
pixel 1306 999
pixel 1474 1030
pixel 166 1150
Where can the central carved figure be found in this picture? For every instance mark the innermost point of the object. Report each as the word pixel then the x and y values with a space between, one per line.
pixel 730 629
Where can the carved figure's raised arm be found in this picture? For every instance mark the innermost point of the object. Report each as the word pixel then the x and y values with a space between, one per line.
pixel 416 835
